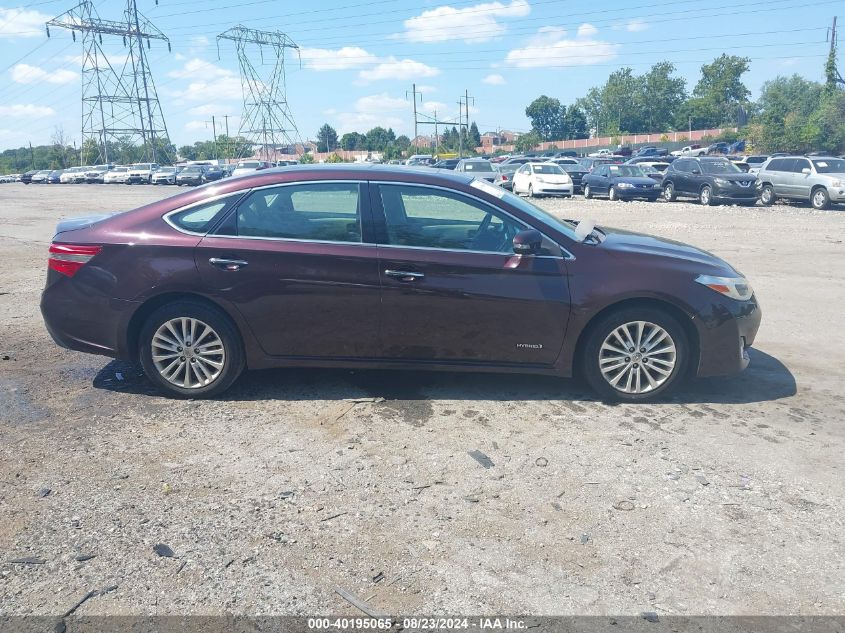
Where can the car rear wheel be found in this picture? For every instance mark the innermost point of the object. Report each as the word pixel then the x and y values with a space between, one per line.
pixel 706 196
pixel 635 355
pixel 767 196
pixel 820 199
pixel 587 193
pixel 190 350
pixel 669 192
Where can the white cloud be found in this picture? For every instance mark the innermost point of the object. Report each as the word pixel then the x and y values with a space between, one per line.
pixel 398 69
pixel 26 74
pixel 339 59
pixel 494 80
pixel 212 83
pixel 587 30
pixel 196 125
pixel 208 110
pixel 550 46
pixel 380 109
pixel 26 110
pixel 22 23
pixel 199 41
pixel 478 23
pixel 431 106
pixel 637 25
pixel 426 89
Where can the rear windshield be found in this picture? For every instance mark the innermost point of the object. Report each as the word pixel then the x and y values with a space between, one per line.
pixel 719 167
pixel 248 164
pixel 478 166
pixel 830 166
pixel 547 169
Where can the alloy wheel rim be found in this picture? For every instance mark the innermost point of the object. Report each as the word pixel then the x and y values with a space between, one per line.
pixel 767 195
pixel 818 198
pixel 637 357
pixel 188 353
pixel 612 194
pixel 667 192
pixel 587 191
pixel 705 195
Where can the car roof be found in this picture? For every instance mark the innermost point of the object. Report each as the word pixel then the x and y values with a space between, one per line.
pixel 368 171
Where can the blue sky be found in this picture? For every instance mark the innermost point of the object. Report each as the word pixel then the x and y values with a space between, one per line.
pixel 359 58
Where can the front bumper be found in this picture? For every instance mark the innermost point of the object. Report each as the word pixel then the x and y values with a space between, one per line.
pixel 137 178
pixel 548 189
pixel 837 194
pixel 735 194
pixel 726 330
pixel 647 193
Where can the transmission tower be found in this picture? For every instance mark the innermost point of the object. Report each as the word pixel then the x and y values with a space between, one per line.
pixel 266 118
pixel 118 103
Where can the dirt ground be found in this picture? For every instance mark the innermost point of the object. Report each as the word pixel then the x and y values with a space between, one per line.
pixel 726 500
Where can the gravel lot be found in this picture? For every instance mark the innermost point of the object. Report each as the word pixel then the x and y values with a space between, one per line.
pixel 727 500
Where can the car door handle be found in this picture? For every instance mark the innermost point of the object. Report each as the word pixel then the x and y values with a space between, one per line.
pixel 232 265
pixel 403 275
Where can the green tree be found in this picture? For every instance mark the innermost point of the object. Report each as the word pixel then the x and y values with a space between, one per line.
pixel 353 141
pixel 722 89
pixel 527 142
pixel 378 138
pixel 663 95
pixel 474 136
pixel 576 123
pixel 403 143
pixel 326 138
pixel 547 117
pixel 785 107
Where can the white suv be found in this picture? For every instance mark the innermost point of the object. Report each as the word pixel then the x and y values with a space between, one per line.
pixel 817 179
pixel 141 173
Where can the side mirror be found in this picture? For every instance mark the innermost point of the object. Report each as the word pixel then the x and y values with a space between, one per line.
pixel 527 242
pixel 696 172
pixel 806 170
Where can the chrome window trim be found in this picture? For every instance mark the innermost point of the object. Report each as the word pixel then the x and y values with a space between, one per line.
pixel 166 216
pixel 567 255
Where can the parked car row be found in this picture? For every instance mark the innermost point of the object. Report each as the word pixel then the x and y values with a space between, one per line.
pixel 819 180
pixel 196 173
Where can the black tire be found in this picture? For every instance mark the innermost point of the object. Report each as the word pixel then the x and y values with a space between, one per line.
pixel 591 353
pixel 820 199
pixel 612 194
pixel 530 190
pixel 587 193
pixel 705 196
pixel 669 194
pixel 233 363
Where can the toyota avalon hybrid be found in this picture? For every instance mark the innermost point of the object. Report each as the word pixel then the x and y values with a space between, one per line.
pixel 378 266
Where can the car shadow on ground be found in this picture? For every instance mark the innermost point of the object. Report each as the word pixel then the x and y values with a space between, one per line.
pixel 765 379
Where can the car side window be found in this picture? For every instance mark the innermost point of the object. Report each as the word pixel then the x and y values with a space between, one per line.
pixel 680 165
pixel 325 212
pixel 799 164
pixel 201 218
pixel 434 218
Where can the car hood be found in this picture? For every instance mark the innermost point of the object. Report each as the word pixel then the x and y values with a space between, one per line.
pixel 627 242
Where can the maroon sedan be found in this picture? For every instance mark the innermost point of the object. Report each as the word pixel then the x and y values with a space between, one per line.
pixel 343 266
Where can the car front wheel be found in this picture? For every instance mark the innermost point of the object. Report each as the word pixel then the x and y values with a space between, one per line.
pixel 767 196
pixel 706 196
pixel 669 192
pixel 587 193
pixel 820 199
pixel 635 355
pixel 190 350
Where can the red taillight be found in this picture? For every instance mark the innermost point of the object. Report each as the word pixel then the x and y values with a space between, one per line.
pixel 67 259
pixel 504 177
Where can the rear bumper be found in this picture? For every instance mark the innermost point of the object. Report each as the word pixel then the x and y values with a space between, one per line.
pixel 727 329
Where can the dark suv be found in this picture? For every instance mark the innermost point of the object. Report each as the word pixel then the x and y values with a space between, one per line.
pixel 711 180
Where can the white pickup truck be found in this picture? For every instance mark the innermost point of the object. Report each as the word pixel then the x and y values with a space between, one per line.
pixel 602 153
pixel 691 150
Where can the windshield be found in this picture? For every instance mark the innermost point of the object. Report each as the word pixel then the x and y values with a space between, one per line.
pixel 141 166
pixel 572 167
pixel 536 212
pixel 830 166
pixel 547 169
pixel 120 169
pixel 192 169
pixel 248 164
pixel 166 170
pixel 626 171
pixel 719 167
pixel 478 166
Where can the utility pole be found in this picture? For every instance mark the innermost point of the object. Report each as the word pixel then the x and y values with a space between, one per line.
pixel 832 55
pixel 31 157
pixel 463 103
pixel 414 94
pixel 228 139
pixel 214 132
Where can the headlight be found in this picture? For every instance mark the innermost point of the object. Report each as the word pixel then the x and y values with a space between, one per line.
pixel 657 185
pixel 837 183
pixel 734 287
pixel 540 179
pixel 624 185
pixel 721 182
